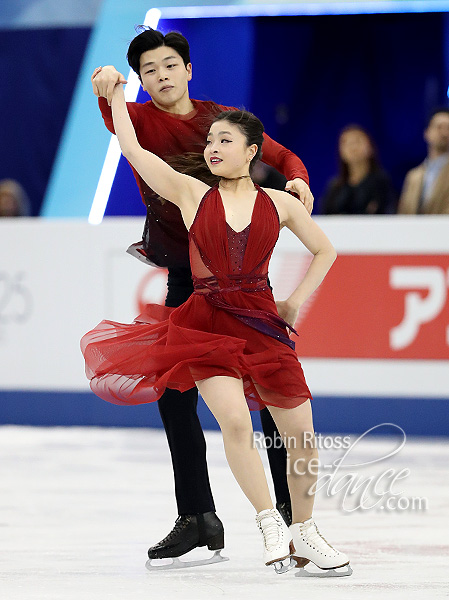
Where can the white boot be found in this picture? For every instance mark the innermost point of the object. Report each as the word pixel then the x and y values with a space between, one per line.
pixel 276 538
pixel 310 546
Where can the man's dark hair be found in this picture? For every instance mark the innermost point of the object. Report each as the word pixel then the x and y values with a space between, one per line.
pixel 436 111
pixel 149 39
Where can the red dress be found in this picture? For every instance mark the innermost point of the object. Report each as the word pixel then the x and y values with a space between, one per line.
pixel 229 326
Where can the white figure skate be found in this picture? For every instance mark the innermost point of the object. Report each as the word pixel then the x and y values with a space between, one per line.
pixel 310 546
pixel 276 539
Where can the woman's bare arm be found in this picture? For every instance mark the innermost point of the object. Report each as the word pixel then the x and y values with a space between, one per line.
pixel 182 190
pixel 296 218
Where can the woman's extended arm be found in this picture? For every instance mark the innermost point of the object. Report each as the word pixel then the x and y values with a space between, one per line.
pixel 165 181
pixel 296 218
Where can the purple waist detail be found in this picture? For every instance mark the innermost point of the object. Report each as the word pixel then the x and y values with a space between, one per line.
pixel 266 322
pixel 251 283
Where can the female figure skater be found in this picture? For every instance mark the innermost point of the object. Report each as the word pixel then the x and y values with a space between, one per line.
pixel 228 339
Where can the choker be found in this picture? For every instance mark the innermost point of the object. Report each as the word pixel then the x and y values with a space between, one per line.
pixel 235 178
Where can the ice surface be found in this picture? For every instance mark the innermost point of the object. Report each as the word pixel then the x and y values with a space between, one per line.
pixel 80 506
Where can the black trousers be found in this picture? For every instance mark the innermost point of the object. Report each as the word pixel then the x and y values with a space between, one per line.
pixel 186 438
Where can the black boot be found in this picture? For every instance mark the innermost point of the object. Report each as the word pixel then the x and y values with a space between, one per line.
pixel 285 508
pixel 189 532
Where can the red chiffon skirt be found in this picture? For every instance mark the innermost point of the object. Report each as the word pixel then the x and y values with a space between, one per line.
pixel 175 347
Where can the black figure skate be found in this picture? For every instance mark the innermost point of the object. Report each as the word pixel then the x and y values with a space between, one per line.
pixel 189 532
pixel 285 510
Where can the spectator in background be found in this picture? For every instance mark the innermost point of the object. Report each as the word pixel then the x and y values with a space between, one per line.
pixel 362 186
pixel 13 199
pixel 426 187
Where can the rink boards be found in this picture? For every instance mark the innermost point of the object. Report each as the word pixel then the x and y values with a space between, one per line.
pixel 373 340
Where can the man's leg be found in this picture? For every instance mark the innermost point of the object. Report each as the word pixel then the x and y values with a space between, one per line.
pixel 197 523
pixel 188 451
pixel 277 458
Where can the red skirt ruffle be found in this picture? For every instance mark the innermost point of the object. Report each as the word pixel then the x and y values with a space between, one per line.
pixel 175 347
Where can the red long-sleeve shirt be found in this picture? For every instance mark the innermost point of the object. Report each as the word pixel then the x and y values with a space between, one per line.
pixel 165 134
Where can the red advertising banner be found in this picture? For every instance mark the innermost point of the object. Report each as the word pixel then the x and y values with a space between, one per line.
pixel 379 306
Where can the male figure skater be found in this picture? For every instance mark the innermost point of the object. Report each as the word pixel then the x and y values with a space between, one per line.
pixel 172 124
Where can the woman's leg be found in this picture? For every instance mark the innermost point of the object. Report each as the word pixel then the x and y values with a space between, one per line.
pixel 296 427
pixel 225 398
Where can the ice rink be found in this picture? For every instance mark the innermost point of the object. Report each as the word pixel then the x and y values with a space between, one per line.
pixel 80 506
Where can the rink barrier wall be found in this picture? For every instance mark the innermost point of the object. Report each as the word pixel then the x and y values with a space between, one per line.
pixel 373 340
pixel 332 414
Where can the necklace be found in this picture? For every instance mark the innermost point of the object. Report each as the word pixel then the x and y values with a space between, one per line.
pixel 235 178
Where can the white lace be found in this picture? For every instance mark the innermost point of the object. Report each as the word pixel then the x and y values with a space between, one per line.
pixel 271 531
pixel 311 533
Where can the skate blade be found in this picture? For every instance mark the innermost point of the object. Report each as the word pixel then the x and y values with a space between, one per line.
pixel 184 564
pixel 344 571
pixel 282 566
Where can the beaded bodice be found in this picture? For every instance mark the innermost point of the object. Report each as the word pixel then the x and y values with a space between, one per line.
pixel 237 242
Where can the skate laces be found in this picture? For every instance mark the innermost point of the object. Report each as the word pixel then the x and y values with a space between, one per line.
pixel 311 532
pixel 181 523
pixel 271 528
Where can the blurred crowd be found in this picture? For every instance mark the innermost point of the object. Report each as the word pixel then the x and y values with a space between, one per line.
pixel 13 199
pixel 360 187
pixel 363 187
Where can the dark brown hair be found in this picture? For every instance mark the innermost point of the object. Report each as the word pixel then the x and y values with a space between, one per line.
pixel 193 163
pixel 374 164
